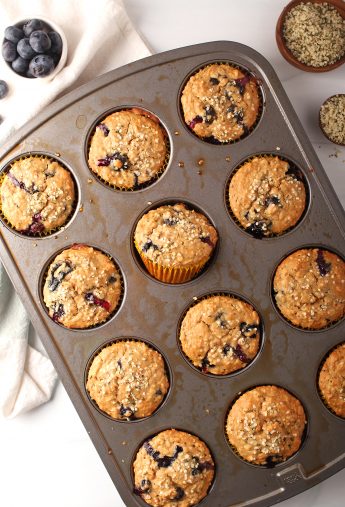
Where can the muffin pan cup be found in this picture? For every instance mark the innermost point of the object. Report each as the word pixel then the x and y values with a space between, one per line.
pixel 151 310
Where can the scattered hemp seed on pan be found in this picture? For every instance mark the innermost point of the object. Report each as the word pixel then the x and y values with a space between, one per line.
pixel 315 33
pixel 332 118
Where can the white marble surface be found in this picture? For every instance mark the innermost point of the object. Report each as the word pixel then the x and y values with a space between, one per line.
pixel 46 457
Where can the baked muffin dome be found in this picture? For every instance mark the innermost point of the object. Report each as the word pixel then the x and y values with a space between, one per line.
pixel 128 149
pixel 266 196
pixel 220 103
pixel 37 195
pixel 332 381
pixel 174 242
pixel 265 425
pixel 173 468
pixel 128 380
pixel 83 287
pixel 309 288
pixel 220 334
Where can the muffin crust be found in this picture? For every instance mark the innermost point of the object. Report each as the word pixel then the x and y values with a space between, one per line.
pixel 37 195
pixel 265 425
pixel 309 288
pixel 220 334
pixel 332 381
pixel 128 148
pixel 175 236
pixel 173 469
pixel 82 288
pixel 128 380
pixel 266 196
pixel 220 103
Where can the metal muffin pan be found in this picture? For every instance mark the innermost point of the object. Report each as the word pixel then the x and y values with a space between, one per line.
pixel 151 310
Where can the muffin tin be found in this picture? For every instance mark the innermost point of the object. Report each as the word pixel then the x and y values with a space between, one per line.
pixel 198 173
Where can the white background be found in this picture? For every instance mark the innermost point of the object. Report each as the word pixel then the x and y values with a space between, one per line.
pixel 46 457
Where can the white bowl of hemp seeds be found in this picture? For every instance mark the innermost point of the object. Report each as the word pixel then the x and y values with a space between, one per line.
pixel 311 34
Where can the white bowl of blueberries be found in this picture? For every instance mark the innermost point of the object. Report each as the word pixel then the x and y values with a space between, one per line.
pixel 34 48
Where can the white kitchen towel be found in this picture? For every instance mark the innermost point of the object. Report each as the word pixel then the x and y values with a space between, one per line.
pixel 100 38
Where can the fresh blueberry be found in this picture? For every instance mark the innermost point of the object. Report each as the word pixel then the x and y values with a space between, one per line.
pixel 56 43
pixel 32 25
pixel 13 34
pixel 41 65
pixel 20 65
pixel 3 89
pixel 40 41
pixel 9 51
pixel 24 49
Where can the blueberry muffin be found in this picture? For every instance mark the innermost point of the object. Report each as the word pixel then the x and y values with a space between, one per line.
pixel 174 242
pixel 128 149
pixel 265 425
pixel 267 196
pixel 128 380
pixel 173 469
pixel 220 103
pixel 220 334
pixel 309 288
pixel 83 287
pixel 332 381
pixel 37 195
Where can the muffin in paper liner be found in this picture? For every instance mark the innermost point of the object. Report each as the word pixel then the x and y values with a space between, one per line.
pixel 50 203
pixel 331 380
pixel 180 240
pixel 266 425
pixel 82 287
pixel 127 379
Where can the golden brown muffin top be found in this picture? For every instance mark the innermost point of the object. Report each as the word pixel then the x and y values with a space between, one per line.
pixel 173 469
pixel 37 195
pixel 309 288
pixel 82 288
pixel 266 424
pixel 128 380
pixel 175 236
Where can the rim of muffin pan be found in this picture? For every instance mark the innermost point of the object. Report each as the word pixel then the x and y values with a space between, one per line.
pixel 168 144
pixel 157 432
pixel 308 246
pixel 44 273
pixel 321 397
pixel 278 464
pixel 191 205
pixel 207 295
pixel 295 168
pixel 151 345
pixel 76 204
pixel 243 68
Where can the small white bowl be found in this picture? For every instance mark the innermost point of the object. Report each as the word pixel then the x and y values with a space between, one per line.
pixel 63 57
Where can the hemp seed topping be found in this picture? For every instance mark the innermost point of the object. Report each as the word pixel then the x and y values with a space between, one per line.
pixel 315 33
pixel 332 118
